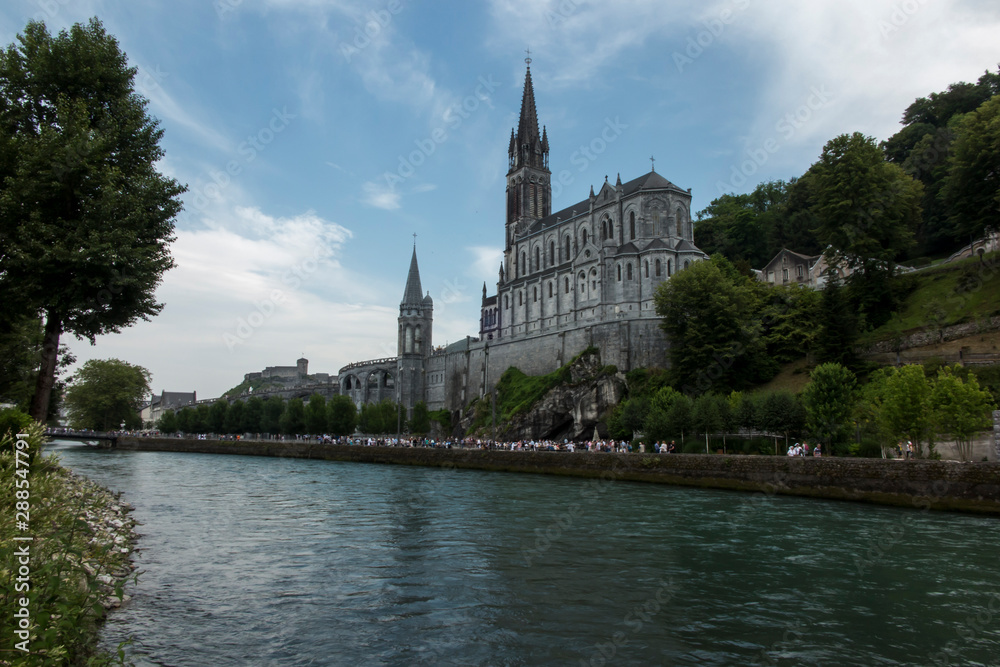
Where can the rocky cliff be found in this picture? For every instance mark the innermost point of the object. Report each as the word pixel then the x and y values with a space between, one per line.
pixel 572 409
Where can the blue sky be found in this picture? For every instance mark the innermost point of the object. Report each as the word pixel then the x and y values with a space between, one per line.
pixel 317 136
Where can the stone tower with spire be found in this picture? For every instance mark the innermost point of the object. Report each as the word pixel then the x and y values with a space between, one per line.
pixel 529 187
pixel 416 315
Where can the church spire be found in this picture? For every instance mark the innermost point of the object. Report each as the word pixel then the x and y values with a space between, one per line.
pixel 413 294
pixel 527 146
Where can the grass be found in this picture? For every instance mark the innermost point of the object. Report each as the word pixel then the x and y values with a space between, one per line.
pixel 943 296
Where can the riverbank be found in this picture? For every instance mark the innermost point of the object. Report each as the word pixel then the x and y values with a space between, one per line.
pixel 940 485
pixel 75 544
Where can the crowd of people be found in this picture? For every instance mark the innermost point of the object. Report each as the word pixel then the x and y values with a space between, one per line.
pixel 804 450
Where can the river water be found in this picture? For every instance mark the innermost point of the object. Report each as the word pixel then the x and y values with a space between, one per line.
pixel 264 561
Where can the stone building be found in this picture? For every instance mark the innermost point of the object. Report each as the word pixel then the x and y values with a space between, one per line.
pixel 583 276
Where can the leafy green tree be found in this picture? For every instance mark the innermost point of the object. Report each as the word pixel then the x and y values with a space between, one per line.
pixel 217 416
pixel 789 317
pixel 20 355
pixel 106 392
pixel 867 210
pixel 905 405
pixel 234 418
pixel 252 415
pixel 315 417
pixel 972 188
pixel 680 416
pixel 837 325
pixel 293 419
pixel 708 313
pixel 829 402
pixel 782 412
pixel 202 421
pixel 270 421
pixel 959 409
pixel 420 421
pixel 185 420
pixel 85 217
pixel 167 422
pixel 343 415
pixel 868 415
pixel 705 416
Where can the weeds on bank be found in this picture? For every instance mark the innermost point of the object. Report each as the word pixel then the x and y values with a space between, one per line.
pixel 67 564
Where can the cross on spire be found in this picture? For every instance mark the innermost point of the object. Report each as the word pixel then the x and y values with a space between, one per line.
pixel 414 239
pixel 652 161
pixel 527 59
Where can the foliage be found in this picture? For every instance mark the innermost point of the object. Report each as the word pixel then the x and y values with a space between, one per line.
pixel 270 421
pixel 868 210
pixel 293 419
pixel 67 563
pixel 442 417
pixel 217 416
pixel 838 326
pixel 904 411
pixel 316 415
pixel 380 418
pixel 708 313
pixel 252 415
pixel 829 402
pixel 420 420
pixel 789 315
pixel 517 392
pixel 342 415
pixel 105 393
pixel 972 187
pixel 167 423
pixel 234 418
pixel 12 422
pixel 959 409
pixel 85 217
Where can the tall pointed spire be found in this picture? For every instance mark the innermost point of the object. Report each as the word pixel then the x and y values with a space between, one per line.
pixel 413 294
pixel 527 146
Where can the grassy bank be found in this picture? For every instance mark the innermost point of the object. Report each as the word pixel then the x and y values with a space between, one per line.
pixel 80 544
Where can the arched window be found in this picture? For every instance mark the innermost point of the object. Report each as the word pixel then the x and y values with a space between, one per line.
pixel 408 340
pixel 631 225
pixel 585 237
pixel 535 291
pixel 687 264
pixel 646 267
pixel 629 271
pixel 658 268
pixel 566 248
pixel 538 262
pixel 417 339
pixel 520 298
pixel 604 229
pixel 670 266
pixel 522 268
pixel 680 218
pixel 550 289
pixel 593 279
pixel 552 252
pixel 567 285
pixel 583 283
pixel 619 273
pixel 506 304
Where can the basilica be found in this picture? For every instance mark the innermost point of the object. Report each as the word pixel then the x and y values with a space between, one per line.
pixel 580 277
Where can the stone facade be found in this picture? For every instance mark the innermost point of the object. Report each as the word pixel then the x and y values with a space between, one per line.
pixel 583 276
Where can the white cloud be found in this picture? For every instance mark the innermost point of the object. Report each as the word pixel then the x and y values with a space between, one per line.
pixel 380 196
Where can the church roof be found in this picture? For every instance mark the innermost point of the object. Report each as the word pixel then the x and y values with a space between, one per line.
pixel 658 244
pixel 650 181
pixel 684 244
pixel 413 294
pixel 627 249
pixel 527 127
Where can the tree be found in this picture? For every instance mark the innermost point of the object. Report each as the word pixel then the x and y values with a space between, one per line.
pixel 905 405
pixel 293 419
pixel 708 315
pixel 420 420
pixel 342 416
pixel 705 416
pixel 868 210
pixel 972 188
pixel 679 416
pixel 85 217
pixel 167 422
pixel 202 420
pixel 252 415
pixel 185 418
pixel 234 418
pixel 959 409
pixel 829 402
pixel 838 325
pixel 270 421
pixel 106 392
pixel 315 417
pixel 217 416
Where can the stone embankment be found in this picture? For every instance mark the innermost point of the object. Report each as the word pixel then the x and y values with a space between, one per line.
pixel 943 485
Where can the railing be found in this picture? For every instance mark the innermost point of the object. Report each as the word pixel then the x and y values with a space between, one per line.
pixel 373 362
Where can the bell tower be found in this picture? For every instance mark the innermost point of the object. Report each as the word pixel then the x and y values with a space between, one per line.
pixel 416 315
pixel 529 187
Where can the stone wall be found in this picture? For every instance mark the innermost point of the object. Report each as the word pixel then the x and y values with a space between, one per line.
pixel 931 337
pixel 942 485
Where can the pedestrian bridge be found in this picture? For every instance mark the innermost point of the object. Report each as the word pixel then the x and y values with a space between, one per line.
pixel 109 437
